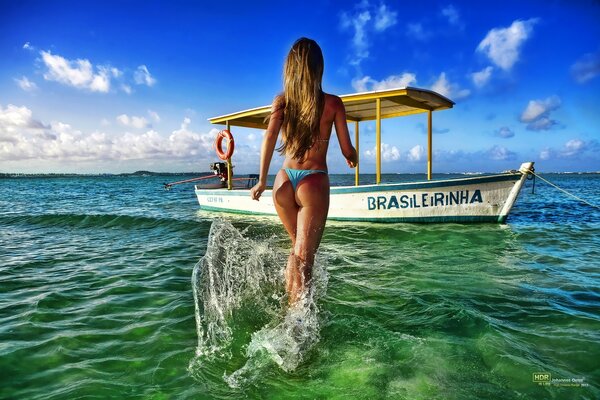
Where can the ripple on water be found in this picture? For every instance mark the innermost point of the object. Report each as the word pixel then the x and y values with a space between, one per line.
pixel 96 301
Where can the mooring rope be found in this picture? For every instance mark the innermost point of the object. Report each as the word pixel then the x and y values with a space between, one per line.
pixel 563 190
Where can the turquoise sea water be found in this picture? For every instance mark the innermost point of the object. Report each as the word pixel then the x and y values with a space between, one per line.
pixel 108 283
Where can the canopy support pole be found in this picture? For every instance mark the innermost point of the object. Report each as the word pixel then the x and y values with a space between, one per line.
pixel 229 165
pixel 356 171
pixel 378 140
pixel 429 144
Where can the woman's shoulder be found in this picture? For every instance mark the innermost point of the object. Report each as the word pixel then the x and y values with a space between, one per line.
pixel 332 100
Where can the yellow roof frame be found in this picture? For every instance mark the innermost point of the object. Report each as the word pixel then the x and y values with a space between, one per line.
pixel 359 107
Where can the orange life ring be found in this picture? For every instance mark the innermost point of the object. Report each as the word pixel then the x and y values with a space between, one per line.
pixel 224 134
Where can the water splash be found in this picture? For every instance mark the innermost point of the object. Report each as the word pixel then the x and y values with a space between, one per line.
pixel 242 316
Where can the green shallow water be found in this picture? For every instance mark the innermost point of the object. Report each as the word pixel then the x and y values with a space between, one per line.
pixel 97 299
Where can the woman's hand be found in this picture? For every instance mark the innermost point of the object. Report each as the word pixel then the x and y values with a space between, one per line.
pixel 257 190
pixel 351 163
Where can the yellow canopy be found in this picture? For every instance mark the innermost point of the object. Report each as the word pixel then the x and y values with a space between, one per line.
pixel 359 107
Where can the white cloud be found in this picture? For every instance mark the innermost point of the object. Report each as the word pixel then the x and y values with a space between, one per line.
pixel 545 154
pixel 104 122
pixel 251 137
pixel 453 16
pixel 384 18
pixel 143 77
pixel 366 83
pixel 360 84
pixel 26 84
pixel 133 121
pixel 126 88
pixel 360 39
pixel 500 153
pixel 364 21
pixel 537 113
pixel 505 132
pixel 23 138
pixel 447 89
pixel 536 108
pixel 416 31
pixel 28 46
pixel 12 118
pixel 154 115
pixel 388 153
pixel 78 73
pixel 481 78
pixel 542 124
pixel 417 153
pixel 586 68
pixel 503 45
pixel 572 149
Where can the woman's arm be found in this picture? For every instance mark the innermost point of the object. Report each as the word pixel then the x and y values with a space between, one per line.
pixel 341 128
pixel 268 146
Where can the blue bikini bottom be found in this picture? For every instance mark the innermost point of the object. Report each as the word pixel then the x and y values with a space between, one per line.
pixel 296 175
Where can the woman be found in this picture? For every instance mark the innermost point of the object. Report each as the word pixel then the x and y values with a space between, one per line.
pixel 305 115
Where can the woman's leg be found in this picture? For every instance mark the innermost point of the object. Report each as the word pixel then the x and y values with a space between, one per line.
pixel 312 197
pixel 303 215
pixel 284 199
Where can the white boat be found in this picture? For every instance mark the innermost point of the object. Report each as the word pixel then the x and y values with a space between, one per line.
pixel 485 198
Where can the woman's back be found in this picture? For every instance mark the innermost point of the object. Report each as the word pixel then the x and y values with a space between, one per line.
pixel 315 157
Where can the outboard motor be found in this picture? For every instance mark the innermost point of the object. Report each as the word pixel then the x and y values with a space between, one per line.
pixel 220 169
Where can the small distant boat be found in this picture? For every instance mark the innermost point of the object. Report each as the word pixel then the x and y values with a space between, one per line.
pixel 482 198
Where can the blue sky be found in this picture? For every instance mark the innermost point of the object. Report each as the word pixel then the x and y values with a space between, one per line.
pixel 107 86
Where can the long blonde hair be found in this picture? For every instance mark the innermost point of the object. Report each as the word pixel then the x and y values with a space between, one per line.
pixel 303 98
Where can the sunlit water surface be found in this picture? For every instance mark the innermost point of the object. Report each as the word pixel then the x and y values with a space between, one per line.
pixel 113 287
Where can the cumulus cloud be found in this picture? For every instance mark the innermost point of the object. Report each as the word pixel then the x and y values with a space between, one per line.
pixel 388 153
pixel 82 74
pixel 417 153
pixel 451 90
pixel 572 149
pixel 360 44
pixel 12 118
pixel 143 77
pixel 481 78
pixel 25 84
pixel 133 121
pixel 500 153
pixel 384 18
pixel 494 153
pixel 537 113
pixel 586 68
pixel 503 45
pixel 367 83
pixel 78 73
pixel 505 132
pixel 452 15
pixel 363 21
pixel 545 154
pixel 24 138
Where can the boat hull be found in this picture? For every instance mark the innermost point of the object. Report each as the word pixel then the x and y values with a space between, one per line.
pixel 473 199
